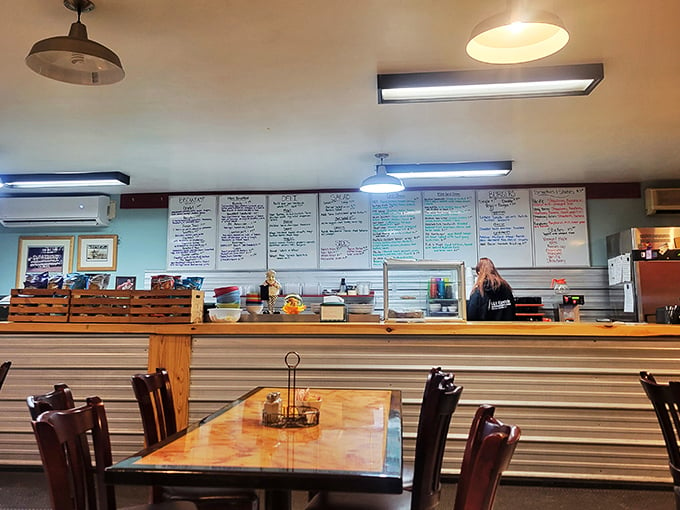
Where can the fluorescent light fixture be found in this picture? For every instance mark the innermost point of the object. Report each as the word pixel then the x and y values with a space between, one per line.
pixel 517 35
pixel 505 83
pixel 65 180
pixel 442 170
pixel 381 182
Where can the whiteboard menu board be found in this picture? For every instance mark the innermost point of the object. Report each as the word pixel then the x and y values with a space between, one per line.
pixel 348 230
pixel 292 231
pixel 397 220
pixel 242 232
pixel 504 226
pixel 560 227
pixel 344 231
pixel 191 232
pixel 450 226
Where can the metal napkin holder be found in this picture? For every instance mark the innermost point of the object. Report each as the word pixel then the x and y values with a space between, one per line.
pixel 291 415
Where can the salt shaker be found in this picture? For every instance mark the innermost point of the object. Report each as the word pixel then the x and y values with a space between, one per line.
pixel 272 405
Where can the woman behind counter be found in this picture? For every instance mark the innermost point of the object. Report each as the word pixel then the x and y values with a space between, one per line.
pixel 491 298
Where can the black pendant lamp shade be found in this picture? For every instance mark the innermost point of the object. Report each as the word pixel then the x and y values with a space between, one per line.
pixel 75 58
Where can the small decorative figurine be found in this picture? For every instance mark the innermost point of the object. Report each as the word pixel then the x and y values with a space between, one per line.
pixel 292 304
pixel 273 289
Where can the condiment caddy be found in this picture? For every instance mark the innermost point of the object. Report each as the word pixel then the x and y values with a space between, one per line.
pixel 301 408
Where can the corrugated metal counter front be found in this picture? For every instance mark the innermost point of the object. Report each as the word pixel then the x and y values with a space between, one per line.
pixel 572 388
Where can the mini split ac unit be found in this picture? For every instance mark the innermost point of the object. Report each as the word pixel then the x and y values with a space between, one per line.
pixel 662 200
pixel 74 211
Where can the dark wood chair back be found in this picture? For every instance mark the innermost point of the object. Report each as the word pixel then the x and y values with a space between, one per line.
pixel 489 448
pixel 157 409
pixel 156 405
pixel 665 399
pixel 76 482
pixel 59 399
pixel 72 477
pixel 4 368
pixel 440 399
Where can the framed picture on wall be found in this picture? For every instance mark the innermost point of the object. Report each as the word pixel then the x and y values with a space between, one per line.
pixel 97 253
pixel 43 254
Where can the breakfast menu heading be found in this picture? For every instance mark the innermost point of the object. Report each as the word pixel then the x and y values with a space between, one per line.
pixel 514 227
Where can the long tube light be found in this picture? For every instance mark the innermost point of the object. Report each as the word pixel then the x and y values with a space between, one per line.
pixel 503 83
pixel 442 170
pixel 64 180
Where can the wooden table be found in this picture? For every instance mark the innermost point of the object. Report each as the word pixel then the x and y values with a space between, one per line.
pixel 356 447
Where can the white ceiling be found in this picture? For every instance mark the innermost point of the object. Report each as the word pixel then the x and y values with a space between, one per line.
pixel 225 95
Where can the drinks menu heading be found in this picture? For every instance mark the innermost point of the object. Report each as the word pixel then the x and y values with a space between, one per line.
pixel 350 230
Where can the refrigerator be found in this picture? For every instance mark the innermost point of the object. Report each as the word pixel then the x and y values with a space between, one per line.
pixel 644 272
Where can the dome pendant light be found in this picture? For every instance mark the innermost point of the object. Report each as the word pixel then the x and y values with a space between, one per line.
pixel 381 182
pixel 517 35
pixel 75 58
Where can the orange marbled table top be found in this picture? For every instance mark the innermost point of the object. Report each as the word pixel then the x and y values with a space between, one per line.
pixel 356 446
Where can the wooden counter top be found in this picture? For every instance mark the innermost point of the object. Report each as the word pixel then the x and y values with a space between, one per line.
pixel 546 329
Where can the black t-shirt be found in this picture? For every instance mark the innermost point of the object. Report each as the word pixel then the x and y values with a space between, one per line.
pixel 494 305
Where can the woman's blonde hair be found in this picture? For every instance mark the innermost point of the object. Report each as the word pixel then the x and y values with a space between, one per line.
pixel 488 275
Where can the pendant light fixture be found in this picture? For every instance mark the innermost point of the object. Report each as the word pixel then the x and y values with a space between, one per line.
pixel 75 58
pixel 381 182
pixel 517 35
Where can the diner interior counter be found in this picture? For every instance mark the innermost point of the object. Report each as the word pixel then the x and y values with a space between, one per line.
pixel 572 388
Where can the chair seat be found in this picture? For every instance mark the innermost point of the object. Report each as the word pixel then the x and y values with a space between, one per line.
pixel 359 501
pixel 212 498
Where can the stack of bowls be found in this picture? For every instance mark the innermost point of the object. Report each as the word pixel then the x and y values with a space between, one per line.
pixel 254 304
pixel 228 297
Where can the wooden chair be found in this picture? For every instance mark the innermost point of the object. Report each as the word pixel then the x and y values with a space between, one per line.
pixel 439 403
pixel 157 409
pixel 75 483
pixel 433 380
pixel 665 399
pixel 489 448
pixel 4 368
pixel 58 400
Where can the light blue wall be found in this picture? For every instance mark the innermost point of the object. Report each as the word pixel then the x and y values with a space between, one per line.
pixel 142 235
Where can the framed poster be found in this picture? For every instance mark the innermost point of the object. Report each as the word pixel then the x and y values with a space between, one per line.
pixel 43 254
pixel 97 253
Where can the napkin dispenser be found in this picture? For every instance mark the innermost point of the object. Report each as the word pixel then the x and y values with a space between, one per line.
pixel 333 309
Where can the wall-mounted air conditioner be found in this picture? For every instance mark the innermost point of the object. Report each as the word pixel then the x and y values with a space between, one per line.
pixel 74 211
pixel 662 200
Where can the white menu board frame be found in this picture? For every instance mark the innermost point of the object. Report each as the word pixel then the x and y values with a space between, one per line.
pixel 396 227
pixel 450 225
pixel 242 232
pixel 293 231
pixel 344 230
pixel 504 230
pixel 560 227
pixel 192 232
